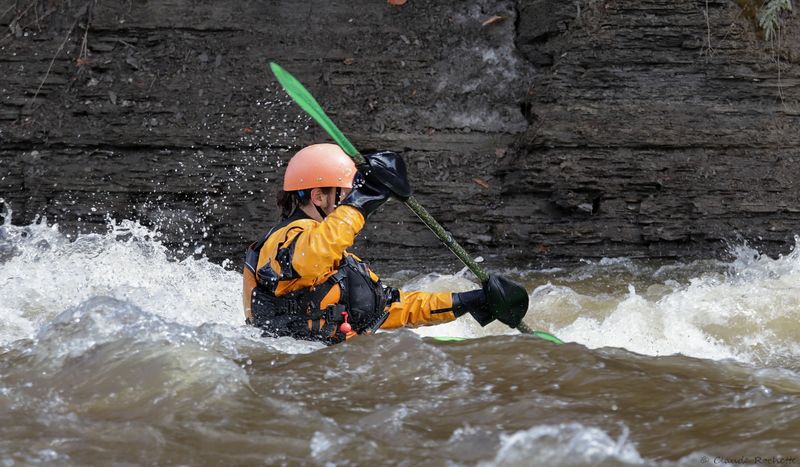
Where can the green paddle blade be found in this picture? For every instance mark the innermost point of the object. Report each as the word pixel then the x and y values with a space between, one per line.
pixel 540 334
pixel 547 336
pixel 525 329
pixel 449 338
pixel 307 102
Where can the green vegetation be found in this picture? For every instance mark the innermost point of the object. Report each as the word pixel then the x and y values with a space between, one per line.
pixel 767 14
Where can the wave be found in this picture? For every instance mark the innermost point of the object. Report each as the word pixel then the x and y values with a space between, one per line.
pixel 747 309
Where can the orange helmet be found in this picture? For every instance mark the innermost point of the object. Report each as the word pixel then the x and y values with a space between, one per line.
pixel 319 166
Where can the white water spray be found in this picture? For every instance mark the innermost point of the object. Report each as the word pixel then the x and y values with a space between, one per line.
pixel 751 313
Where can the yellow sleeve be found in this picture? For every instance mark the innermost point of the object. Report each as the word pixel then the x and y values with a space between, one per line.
pixel 319 248
pixel 420 309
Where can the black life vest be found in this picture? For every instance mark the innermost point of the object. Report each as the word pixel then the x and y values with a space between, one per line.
pixel 298 314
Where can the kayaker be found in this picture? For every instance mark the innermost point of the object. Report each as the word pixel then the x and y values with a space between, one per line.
pixel 300 280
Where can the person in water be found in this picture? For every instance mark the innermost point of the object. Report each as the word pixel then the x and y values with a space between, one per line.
pixel 300 280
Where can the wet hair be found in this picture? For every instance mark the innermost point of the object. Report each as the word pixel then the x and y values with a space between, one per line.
pixel 288 201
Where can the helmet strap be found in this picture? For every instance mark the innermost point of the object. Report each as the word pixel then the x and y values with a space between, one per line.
pixel 336 201
pixel 305 196
pixel 321 212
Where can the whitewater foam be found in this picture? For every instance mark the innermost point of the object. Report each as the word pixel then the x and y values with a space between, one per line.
pixel 565 444
pixel 748 311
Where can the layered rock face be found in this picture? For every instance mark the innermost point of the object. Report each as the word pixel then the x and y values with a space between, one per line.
pixel 657 129
pixel 537 132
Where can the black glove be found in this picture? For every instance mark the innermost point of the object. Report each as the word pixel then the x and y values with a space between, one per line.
pixel 388 169
pixel 474 303
pixel 366 196
pixel 499 299
pixel 507 300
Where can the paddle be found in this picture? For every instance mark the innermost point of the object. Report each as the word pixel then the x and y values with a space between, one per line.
pixel 307 102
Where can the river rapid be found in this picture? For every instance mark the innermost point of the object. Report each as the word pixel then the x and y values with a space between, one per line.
pixel 113 354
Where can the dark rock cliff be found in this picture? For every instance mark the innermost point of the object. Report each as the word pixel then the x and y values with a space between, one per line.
pixel 537 131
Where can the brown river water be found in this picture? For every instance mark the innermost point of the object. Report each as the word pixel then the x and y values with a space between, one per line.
pixel 111 354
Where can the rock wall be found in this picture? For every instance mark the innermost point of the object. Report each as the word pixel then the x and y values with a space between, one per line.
pixel 657 129
pixel 538 132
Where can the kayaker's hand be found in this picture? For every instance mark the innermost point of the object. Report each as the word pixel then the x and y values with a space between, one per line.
pixel 473 302
pixel 388 169
pixel 366 196
pixel 499 299
pixel 507 300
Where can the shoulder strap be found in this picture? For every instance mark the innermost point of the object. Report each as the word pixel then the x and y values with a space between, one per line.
pixel 251 255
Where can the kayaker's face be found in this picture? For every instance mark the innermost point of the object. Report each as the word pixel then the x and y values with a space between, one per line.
pixel 327 200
